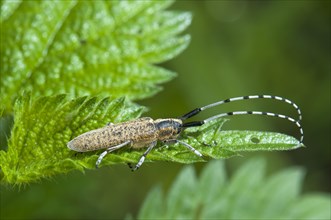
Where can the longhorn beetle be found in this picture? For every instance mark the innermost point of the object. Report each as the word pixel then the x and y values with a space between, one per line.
pixel 145 132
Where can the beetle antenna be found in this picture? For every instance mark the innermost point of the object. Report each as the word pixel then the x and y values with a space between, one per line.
pixel 197 110
pixel 199 123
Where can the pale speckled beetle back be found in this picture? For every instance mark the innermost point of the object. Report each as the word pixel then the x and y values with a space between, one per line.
pixel 145 132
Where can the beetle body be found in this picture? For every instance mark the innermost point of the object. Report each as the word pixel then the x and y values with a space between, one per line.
pixel 145 132
pixel 140 132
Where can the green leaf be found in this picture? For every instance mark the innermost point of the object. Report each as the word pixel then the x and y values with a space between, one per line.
pixel 239 196
pixel 212 181
pixel 247 195
pixel 280 191
pixel 7 8
pixel 311 206
pixel 179 201
pixel 87 47
pixel 37 147
pixel 211 142
pixel 153 205
pixel 42 128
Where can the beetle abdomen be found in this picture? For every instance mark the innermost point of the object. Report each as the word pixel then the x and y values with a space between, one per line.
pixel 139 132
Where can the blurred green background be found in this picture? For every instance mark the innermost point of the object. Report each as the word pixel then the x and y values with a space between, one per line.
pixel 238 48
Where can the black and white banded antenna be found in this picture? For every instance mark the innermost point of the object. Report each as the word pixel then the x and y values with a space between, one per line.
pixel 194 112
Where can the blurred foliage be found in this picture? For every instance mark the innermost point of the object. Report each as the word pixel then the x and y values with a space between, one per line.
pixel 246 195
pixel 238 48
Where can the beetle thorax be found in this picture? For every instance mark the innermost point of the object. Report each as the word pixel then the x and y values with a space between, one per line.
pixel 168 128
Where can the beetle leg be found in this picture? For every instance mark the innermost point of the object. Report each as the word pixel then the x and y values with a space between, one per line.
pixel 174 141
pixel 110 150
pixel 142 158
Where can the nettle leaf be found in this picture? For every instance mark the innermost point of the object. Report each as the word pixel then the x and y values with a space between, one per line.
pixel 87 47
pixel 247 195
pixel 211 142
pixel 37 147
